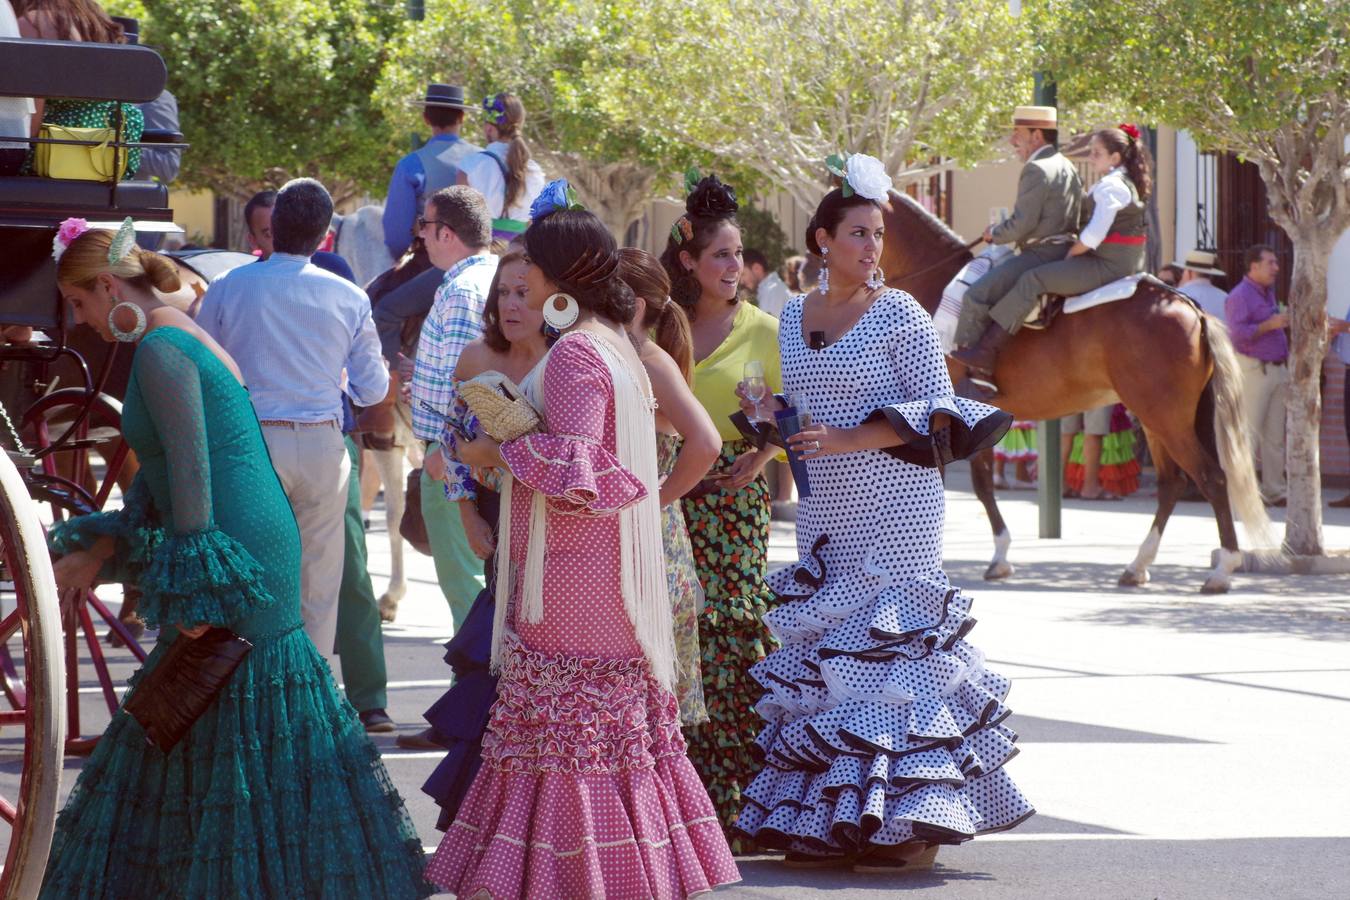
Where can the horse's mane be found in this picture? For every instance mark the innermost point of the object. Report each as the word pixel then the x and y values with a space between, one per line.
pixel 902 204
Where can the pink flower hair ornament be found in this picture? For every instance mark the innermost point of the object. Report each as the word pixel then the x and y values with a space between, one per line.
pixel 66 233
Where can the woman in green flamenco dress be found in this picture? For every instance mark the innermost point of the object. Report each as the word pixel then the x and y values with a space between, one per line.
pixel 275 791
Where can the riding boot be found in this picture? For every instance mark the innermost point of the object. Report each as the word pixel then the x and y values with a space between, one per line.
pixel 982 356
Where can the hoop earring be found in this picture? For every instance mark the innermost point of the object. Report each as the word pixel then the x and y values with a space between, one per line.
pixel 824 283
pixel 561 311
pixel 875 280
pixel 137 330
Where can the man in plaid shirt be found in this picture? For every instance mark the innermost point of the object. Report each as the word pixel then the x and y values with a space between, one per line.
pixel 456 227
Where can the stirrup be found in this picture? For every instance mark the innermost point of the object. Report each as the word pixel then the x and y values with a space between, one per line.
pixel 984 383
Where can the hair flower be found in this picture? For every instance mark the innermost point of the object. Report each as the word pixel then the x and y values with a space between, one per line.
pixel 866 176
pixel 1131 130
pixel 66 233
pixel 556 195
pixel 711 199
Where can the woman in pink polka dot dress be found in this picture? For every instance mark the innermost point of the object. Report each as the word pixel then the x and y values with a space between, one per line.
pixel 585 789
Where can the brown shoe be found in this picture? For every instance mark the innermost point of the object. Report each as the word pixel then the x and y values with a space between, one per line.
pixel 377 721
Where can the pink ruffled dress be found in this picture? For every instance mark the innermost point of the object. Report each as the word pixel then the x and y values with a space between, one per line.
pixel 585 789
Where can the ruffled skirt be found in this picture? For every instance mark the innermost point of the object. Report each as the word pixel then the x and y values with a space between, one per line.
pixel 585 791
pixel 275 792
pixel 884 726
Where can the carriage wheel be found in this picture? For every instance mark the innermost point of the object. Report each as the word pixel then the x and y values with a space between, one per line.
pixel 48 419
pixel 67 494
pixel 33 682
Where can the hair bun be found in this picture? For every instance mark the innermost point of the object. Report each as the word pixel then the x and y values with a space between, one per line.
pixel 711 199
pixel 159 271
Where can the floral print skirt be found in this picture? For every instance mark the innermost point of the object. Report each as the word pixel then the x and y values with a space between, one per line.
pixel 729 534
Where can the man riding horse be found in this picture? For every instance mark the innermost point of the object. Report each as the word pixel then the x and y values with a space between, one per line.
pixel 1043 226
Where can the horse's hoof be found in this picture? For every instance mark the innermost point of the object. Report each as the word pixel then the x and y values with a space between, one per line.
pixel 388 608
pixel 1215 585
pixel 1131 578
pixel 998 571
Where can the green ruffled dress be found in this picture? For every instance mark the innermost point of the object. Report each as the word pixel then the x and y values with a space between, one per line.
pixel 276 791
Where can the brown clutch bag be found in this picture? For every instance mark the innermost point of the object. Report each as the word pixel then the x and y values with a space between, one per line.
pixel 185 684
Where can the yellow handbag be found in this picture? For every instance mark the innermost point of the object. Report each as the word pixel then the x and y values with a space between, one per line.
pixel 80 162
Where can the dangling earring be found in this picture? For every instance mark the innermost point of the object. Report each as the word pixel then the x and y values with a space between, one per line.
pixel 824 284
pixel 875 280
pixel 561 311
pixel 135 333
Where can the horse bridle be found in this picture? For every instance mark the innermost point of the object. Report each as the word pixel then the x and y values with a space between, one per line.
pixel 937 265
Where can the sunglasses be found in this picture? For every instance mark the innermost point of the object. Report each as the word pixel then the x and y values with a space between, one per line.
pixel 423 223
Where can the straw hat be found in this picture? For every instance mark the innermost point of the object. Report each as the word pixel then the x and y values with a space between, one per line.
pixel 1201 261
pixel 1046 117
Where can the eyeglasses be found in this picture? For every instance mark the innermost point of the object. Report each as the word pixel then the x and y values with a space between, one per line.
pixel 423 223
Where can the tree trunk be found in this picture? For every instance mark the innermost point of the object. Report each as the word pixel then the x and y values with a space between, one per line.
pixel 1308 320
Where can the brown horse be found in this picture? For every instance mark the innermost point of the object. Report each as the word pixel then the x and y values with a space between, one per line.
pixel 1156 352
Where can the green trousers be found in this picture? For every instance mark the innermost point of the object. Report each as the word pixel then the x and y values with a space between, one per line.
pixel 360 643
pixel 1067 277
pixel 988 291
pixel 458 571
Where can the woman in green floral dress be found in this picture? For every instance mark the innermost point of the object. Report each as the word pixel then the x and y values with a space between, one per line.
pixel 728 512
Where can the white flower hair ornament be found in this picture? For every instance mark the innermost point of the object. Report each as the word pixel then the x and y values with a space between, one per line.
pixel 866 176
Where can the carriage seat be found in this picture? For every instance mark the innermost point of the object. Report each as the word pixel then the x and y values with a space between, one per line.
pixel 1051 305
pixel 50 200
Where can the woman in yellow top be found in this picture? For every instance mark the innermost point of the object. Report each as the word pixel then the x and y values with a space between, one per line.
pixel 728 512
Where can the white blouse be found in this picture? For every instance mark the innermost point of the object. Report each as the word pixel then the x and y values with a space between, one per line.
pixel 484 175
pixel 1109 196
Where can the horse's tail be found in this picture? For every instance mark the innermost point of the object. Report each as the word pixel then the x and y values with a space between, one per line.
pixel 1234 439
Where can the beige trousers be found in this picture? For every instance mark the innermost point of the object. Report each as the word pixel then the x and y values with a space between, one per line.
pixel 1265 390
pixel 313 466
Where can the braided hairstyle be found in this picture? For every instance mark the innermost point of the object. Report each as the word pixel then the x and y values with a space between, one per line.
pixel 709 206
pixel 1134 156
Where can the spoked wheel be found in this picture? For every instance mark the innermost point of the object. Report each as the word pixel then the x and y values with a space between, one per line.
pixel 65 480
pixel 33 683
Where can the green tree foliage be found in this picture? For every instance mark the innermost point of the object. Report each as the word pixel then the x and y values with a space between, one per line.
pixel 1271 82
pixel 778 85
pixel 566 61
pixel 272 89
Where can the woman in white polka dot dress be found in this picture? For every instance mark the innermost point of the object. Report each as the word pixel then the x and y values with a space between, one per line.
pixel 585 789
pixel 885 735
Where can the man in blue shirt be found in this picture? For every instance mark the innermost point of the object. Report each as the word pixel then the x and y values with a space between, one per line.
pixel 425 171
pixel 298 333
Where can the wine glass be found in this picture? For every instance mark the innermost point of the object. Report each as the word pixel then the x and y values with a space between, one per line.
pixel 756 388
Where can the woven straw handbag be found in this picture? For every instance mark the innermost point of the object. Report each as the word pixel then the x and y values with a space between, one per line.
pixel 500 406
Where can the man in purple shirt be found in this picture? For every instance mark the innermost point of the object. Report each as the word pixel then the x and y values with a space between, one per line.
pixel 1256 326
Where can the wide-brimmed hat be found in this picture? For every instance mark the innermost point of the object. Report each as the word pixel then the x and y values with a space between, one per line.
pixel 450 96
pixel 1036 117
pixel 1201 261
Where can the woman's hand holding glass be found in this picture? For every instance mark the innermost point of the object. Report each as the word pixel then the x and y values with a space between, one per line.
pixel 815 441
pixel 756 388
pixel 761 411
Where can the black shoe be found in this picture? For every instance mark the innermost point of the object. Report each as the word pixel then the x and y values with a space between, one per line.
pixel 1343 503
pixel 377 721
pixel 1277 504
pixel 426 739
pixel 982 356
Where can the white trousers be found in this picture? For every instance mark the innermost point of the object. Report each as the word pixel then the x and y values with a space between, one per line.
pixel 1265 391
pixel 313 466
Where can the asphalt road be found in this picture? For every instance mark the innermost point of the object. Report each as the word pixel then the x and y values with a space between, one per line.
pixel 1175 745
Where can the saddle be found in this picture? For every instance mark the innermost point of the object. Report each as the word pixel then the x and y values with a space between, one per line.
pixel 1049 306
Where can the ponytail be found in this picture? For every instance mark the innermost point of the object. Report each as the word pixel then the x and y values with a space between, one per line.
pixel 508 115
pixel 664 318
pixel 1134 156
pixel 669 327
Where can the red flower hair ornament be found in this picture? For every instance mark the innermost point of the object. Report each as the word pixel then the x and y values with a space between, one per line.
pixel 1131 130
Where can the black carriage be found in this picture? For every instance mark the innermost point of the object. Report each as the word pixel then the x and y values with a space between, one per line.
pixel 53 414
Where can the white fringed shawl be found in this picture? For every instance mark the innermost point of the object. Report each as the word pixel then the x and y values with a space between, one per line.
pixel 642 560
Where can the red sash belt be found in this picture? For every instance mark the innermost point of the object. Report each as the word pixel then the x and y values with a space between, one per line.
pixel 1132 239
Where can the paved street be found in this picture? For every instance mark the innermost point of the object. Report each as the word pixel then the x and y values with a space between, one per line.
pixel 1175 745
